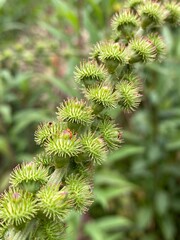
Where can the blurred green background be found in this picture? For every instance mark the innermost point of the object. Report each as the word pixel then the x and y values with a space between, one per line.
pixel 137 194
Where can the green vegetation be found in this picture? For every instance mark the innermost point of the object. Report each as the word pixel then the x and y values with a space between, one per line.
pixel 136 189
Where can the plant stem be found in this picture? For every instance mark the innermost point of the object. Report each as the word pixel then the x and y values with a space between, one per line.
pixel 21 235
pixel 57 176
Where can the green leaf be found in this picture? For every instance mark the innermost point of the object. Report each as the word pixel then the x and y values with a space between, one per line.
pixel 92 230
pixel 63 86
pixel 144 217
pixel 4 146
pixel 111 178
pixel 2 2
pixel 173 146
pixel 168 228
pixel 114 222
pixel 103 196
pixel 97 229
pixel 161 202
pixel 66 11
pixel 5 111
pixel 124 152
pixel 25 117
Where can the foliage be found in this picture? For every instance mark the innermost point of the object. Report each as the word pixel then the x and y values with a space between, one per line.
pixel 40 43
pixel 137 188
pixel 110 185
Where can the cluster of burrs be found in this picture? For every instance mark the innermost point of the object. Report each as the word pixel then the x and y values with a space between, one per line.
pixel 60 178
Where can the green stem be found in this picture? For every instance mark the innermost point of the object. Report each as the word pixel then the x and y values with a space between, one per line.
pixel 21 235
pixel 57 176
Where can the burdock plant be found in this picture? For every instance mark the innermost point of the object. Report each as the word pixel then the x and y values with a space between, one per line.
pixel 43 192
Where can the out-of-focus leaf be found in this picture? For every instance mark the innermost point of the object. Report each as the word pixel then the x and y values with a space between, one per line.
pixel 4 181
pixel 168 228
pixel 97 229
pixel 4 146
pixel 144 217
pixel 110 223
pixel 168 37
pixel 173 146
pixel 54 31
pixel 92 230
pixel 63 86
pixel 73 220
pixel 2 2
pixel 5 112
pixel 94 32
pixel 103 196
pixel 65 9
pixel 111 178
pixel 124 152
pixel 169 113
pixel 25 117
pixel 161 202
pixel 131 137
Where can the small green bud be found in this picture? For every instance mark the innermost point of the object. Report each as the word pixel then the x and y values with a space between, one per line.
pixel 46 131
pixel 63 147
pixel 3 229
pixel 102 95
pixel 159 45
pixel 95 52
pixel 173 13
pixel 75 111
pixel 111 134
pixel 49 230
pixel 133 4
pixel 8 53
pixel 112 54
pixel 142 49
pixel 42 159
pixel 153 14
pixel 90 73
pixel 132 77
pixel 29 176
pixel 53 203
pixel 17 207
pixel 79 192
pixel 129 97
pixel 125 22
pixel 94 148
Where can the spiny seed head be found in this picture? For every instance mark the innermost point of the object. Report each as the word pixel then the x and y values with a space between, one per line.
pixel 50 230
pixel 43 159
pixel 132 77
pixel 95 51
pixel 173 12
pixel 3 229
pixel 153 13
pixel 75 111
pixel 17 207
pixel 53 203
pixel 125 22
pixel 90 72
pixel 143 50
pixel 103 95
pixel 114 52
pixel 28 173
pixel 86 170
pixel 65 148
pixel 159 45
pixel 111 134
pixel 48 130
pixel 94 148
pixel 79 192
pixel 129 97
pixel 134 3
